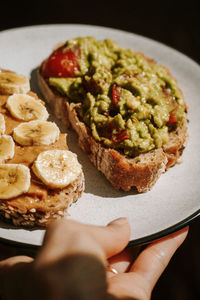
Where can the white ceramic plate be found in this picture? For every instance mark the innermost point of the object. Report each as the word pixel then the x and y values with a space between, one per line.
pixel 175 199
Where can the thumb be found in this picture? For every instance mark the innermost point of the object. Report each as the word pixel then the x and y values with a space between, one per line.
pixel 69 237
pixel 114 237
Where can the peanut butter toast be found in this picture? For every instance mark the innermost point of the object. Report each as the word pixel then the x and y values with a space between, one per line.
pixel 39 176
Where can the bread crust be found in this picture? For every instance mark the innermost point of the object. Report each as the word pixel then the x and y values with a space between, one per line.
pixel 123 172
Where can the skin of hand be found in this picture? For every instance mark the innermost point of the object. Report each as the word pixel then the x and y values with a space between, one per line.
pixel 67 239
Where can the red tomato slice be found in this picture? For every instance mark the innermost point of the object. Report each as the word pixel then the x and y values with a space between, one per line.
pixel 172 118
pixel 62 63
pixel 121 136
pixel 116 93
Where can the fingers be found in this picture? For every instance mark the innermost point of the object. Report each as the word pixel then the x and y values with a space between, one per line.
pixel 69 237
pixel 11 261
pixel 122 261
pixel 8 275
pixel 154 259
pixel 147 268
pixel 114 237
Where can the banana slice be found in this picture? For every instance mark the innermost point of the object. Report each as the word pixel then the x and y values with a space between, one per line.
pixel 11 83
pixel 26 108
pixel 14 180
pixel 7 148
pixel 2 124
pixel 36 132
pixel 57 168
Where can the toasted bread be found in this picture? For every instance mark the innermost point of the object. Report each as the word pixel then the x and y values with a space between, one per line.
pixel 141 171
pixel 41 204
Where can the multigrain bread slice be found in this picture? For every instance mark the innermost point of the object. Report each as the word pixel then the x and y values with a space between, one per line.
pixel 41 204
pixel 141 171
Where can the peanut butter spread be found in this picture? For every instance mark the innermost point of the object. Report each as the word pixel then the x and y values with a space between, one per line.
pixel 38 197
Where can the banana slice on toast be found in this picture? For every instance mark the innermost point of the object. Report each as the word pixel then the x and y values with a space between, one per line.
pixel 26 108
pixel 7 148
pixel 57 168
pixel 12 83
pixel 2 124
pixel 14 180
pixel 36 132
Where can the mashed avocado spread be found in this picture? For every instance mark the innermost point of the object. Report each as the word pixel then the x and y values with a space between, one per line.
pixel 129 102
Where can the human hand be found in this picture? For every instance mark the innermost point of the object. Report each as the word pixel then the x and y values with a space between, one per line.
pixel 137 278
pixel 46 278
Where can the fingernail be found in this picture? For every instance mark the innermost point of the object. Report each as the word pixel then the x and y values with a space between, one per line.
pixel 119 221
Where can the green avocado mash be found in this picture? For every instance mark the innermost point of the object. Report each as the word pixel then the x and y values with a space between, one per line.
pixel 129 102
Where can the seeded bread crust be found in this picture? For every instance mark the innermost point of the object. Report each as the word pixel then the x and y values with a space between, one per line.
pixel 43 214
pixel 123 172
pixel 40 206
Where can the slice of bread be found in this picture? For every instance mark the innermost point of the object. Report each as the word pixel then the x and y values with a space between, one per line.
pixel 122 171
pixel 41 204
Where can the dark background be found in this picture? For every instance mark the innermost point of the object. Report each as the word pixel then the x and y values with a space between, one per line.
pixel 174 23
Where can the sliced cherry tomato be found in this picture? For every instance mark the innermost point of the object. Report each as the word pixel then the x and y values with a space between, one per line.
pixel 172 118
pixel 116 93
pixel 121 136
pixel 62 63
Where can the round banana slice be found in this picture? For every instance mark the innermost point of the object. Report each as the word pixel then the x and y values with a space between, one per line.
pixel 14 180
pixel 11 83
pixel 7 148
pixel 2 124
pixel 26 108
pixel 36 132
pixel 57 168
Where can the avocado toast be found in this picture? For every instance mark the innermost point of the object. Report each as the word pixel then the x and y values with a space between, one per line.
pixel 128 111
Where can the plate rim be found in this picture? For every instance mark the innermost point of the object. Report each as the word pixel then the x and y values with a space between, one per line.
pixel 137 242
pixel 160 234
pixel 151 237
